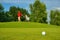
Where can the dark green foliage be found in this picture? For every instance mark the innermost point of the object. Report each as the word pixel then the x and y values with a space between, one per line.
pixel 38 12
pixel 55 17
pixel 1 8
pixel 2 16
pixel 22 18
pixel 14 11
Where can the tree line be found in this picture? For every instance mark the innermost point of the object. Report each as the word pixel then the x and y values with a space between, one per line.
pixel 38 13
pixel 11 15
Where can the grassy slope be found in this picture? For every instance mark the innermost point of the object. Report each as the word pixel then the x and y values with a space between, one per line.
pixel 28 31
pixel 25 25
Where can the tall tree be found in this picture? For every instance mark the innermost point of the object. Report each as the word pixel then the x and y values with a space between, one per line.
pixel 38 12
pixel 1 13
pixel 55 17
pixel 13 12
pixel 1 8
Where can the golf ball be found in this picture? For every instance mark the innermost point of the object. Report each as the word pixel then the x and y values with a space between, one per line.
pixel 43 33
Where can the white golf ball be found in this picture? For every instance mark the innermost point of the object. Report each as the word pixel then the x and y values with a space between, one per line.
pixel 43 33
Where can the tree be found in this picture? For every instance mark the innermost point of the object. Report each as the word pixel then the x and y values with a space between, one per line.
pixel 38 12
pixel 55 17
pixel 14 10
pixel 23 11
pixel 1 13
pixel 4 16
pixel 1 8
pixel 8 17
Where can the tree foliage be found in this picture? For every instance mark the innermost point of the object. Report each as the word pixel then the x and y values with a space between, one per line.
pixel 38 12
pixel 1 13
pixel 55 17
pixel 1 8
pixel 14 10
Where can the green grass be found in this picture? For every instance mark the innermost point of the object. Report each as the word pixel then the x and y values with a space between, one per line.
pixel 28 31
pixel 26 25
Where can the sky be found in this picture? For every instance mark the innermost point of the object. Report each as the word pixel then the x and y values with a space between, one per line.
pixel 50 4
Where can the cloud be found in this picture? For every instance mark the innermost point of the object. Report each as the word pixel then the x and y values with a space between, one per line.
pixel 58 8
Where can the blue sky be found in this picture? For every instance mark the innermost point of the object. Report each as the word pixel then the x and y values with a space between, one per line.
pixel 50 4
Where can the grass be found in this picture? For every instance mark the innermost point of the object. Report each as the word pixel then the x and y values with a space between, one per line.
pixel 26 25
pixel 28 31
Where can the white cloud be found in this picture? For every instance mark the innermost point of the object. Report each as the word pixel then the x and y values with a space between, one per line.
pixel 58 8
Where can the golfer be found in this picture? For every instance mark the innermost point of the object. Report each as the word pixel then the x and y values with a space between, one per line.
pixel 19 15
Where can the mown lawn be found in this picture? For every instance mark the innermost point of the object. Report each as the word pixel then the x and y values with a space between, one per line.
pixel 28 31
pixel 26 25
